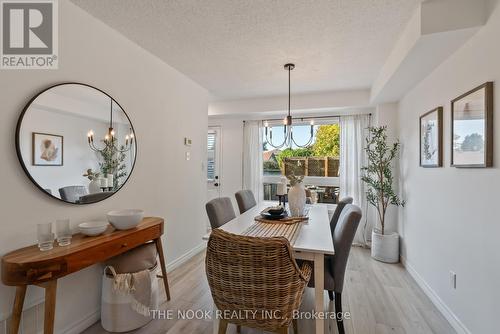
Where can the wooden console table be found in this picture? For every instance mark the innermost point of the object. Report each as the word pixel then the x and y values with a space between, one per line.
pixel 30 266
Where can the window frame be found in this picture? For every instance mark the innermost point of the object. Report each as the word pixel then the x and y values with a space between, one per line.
pixel 325 181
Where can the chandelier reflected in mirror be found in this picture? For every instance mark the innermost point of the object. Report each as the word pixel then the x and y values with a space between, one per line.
pixel 288 140
pixel 110 140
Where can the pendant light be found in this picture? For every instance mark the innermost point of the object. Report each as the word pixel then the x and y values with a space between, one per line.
pixel 110 141
pixel 288 140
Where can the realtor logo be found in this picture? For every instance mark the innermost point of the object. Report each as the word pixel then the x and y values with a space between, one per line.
pixel 29 34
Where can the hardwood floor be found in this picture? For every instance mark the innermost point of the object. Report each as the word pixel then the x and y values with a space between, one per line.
pixel 381 298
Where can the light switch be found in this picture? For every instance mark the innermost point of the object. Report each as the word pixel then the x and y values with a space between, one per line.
pixel 188 156
pixel 453 279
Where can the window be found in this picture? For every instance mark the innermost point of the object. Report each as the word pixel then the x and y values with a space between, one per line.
pixel 318 162
pixel 211 136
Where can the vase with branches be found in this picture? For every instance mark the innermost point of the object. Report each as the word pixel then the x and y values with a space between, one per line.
pixel 379 178
pixel 112 162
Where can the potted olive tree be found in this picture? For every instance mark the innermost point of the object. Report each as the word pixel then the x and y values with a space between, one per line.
pixel 379 179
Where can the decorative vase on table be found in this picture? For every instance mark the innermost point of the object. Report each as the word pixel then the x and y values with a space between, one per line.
pixel 95 186
pixel 296 196
pixel 95 182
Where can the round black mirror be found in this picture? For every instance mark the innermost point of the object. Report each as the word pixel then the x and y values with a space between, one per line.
pixel 76 143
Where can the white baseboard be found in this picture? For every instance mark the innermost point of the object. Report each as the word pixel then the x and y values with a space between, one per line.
pixel 435 299
pixel 82 324
pixel 28 303
pixel 185 257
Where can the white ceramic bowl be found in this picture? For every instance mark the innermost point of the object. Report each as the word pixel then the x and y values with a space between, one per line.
pixel 93 228
pixel 125 219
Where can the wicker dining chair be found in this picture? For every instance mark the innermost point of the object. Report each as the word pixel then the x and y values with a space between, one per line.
pixel 245 200
pixel 252 274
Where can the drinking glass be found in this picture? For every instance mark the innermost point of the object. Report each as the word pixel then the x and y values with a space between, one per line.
pixel 63 232
pixel 45 236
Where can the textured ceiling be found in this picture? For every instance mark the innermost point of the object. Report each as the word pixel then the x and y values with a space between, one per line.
pixel 237 48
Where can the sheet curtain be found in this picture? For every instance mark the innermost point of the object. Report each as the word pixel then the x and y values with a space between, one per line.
pixel 353 134
pixel 252 158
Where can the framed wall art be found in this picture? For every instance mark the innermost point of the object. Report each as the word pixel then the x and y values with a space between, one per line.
pixel 472 128
pixel 47 149
pixel 431 138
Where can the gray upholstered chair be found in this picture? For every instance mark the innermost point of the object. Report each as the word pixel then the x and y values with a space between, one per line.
pixel 245 200
pixel 336 214
pixel 93 198
pixel 335 265
pixel 72 193
pixel 220 211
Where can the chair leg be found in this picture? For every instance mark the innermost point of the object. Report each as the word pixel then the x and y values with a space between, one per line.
pixel 330 295
pixel 338 313
pixel 295 326
pixel 223 326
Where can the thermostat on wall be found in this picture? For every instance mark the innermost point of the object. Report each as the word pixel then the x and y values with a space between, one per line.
pixel 187 141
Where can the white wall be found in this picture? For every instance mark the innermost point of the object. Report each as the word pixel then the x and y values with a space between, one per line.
pixel 164 106
pixel 451 218
pixel 387 115
pixel 275 105
pixel 77 156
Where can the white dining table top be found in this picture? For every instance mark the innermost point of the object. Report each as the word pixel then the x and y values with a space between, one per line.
pixel 314 235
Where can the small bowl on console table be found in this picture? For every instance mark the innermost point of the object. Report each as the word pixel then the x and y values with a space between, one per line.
pixel 93 228
pixel 125 219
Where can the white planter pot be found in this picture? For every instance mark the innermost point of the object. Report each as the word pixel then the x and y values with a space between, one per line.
pixel 297 200
pixel 385 247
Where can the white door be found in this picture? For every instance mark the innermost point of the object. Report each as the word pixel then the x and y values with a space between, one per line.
pixel 213 163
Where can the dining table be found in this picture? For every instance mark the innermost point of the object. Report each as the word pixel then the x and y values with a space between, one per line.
pixel 312 242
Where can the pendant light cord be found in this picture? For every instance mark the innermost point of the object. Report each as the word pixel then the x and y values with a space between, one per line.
pixel 289 91
pixel 111 115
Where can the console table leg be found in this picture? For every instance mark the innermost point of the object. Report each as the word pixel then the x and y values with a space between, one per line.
pixel 159 248
pixel 17 309
pixel 50 306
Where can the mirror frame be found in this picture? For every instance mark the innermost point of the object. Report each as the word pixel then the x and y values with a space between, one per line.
pixel 18 147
